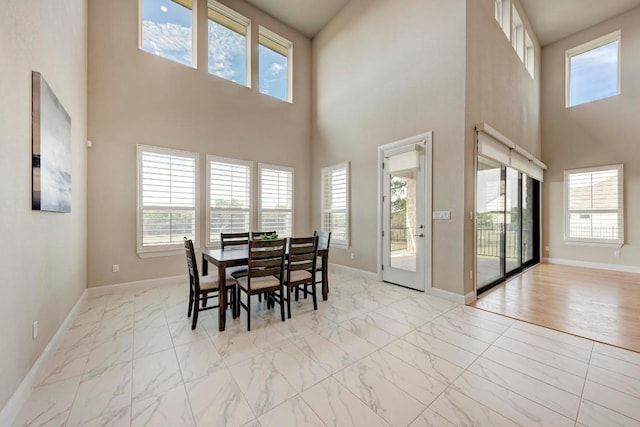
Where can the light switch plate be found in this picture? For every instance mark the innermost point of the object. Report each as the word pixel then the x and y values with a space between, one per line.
pixel 442 215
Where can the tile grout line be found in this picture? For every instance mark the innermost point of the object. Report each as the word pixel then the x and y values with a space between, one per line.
pixel 75 395
pixel 584 385
pixel 469 397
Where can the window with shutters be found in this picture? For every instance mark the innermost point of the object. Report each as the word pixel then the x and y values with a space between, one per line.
pixel 228 197
pixel 228 44
pixel 276 199
pixel 167 200
pixel 594 205
pixel 167 29
pixel 335 203
pixel 274 65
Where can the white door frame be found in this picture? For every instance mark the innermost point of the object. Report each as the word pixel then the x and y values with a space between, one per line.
pixel 427 139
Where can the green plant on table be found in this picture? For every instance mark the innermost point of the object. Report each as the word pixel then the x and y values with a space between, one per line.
pixel 273 236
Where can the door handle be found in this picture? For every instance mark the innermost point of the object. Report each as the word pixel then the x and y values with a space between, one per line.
pixel 419 235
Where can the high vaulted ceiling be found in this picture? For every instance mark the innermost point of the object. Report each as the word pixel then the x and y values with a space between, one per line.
pixel 551 20
pixel 306 16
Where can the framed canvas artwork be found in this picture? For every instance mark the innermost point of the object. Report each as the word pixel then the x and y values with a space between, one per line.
pixel 51 160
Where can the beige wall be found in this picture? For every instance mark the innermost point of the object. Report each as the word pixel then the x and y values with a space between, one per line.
pixel 43 267
pixel 385 70
pixel 501 93
pixel 139 98
pixel 599 133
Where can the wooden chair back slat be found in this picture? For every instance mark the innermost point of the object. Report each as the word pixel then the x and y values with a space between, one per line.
pixel 302 253
pixel 233 239
pixel 192 264
pixel 266 258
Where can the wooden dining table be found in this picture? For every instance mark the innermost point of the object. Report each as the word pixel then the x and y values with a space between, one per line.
pixel 236 257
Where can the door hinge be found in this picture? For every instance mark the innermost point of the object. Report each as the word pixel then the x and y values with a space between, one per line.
pixel 382 165
pixel 382 199
pixel 382 267
pixel 382 233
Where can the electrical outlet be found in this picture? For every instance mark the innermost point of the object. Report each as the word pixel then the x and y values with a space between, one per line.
pixel 116 268
pixel 547 248
pixel 616 253
pixel 470 274
pixel 353 256
pixel 34 330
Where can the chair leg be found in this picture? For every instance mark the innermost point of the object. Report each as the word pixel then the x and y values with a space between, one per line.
pixel 297 294
pixel 260 297
pixel 233 293
pixel 315 299
pixel 288 302
pixel 196 308
pixel 248 311
pixel 281 305
pixel 190 301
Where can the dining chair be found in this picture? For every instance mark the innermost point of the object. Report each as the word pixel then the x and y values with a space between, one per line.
pixel 301 268
pixel 324 241
pixel 231 241
pixel 203 288
pixel 255 235
pixel 265 274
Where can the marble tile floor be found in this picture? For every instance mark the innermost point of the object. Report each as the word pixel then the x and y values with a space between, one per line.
pixel 373 355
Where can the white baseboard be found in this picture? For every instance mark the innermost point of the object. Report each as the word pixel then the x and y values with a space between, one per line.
pixel 161 281
pixel 343 268
pixel 13 406
pixel 596 265
pixel 470 297
pixel 450 296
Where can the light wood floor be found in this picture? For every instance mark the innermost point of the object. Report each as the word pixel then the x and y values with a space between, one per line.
pixel 596 304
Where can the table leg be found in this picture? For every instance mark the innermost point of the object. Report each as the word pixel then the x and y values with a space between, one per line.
pixel 222 297
pixel 205 266
pixel 325 277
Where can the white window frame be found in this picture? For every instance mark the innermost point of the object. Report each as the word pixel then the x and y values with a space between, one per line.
pixel 503 8
pixel 345 165
pixel 209 243
pixel 262 166
pixel 194 33
pixel 177 248
pixel 517 32
pixel 529 54
pixel 238 19
pixel 586 47
pixel 620 211
pixel 278 44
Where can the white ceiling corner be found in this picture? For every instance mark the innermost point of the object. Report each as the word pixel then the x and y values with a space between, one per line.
pixel 305 16
pixel 553 20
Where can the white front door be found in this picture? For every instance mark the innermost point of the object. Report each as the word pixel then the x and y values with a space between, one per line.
pixel 405 216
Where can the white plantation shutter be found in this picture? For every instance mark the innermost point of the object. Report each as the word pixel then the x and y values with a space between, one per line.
pixel 335 203
pixel 594 205
pixel 276 199
pixel 167 198
pixel 229 197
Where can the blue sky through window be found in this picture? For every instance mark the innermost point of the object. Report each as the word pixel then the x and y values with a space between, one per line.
pixel 594 74
pixel 273 73
pixel 167 30
pixel 227 53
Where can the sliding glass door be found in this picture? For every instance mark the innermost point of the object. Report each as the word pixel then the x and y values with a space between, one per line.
pixel 507 222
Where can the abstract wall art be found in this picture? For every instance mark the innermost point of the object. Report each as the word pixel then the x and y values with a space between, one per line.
pixel 51 160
